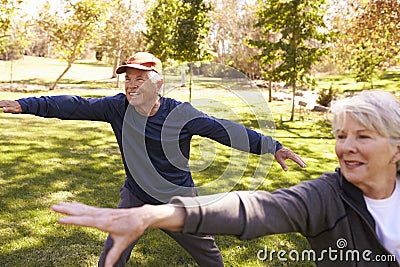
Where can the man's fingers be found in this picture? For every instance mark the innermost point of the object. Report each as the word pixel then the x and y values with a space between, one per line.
pixel 299 161
pixel 123 226
pixel 281 162
pixel 284 154
pixel 6 103
pixel 61 208
pixel 3 103
pixel 10 106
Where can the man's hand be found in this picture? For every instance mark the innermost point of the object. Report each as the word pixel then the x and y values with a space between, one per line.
pixel 123 225
pixel 10 106
pixel 284 153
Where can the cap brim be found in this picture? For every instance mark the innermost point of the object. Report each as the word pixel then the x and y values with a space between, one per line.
pixel 122 68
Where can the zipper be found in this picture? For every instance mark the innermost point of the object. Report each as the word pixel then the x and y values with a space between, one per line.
pixel 369 225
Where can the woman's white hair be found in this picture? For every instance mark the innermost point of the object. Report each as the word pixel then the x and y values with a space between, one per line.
pixel 378 111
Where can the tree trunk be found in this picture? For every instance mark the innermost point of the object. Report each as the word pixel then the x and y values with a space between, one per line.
pixel 117 62
pixel 190 83
pixel 53 86
pixel 269 91
pixel 294 73
pixel 294 93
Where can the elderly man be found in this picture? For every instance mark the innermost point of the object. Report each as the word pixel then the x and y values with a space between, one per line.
pixel 140 119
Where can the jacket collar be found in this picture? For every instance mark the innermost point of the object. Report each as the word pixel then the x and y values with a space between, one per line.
pixel 354 197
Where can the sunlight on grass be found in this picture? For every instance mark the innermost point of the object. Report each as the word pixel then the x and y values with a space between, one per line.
pixel 58 196
pixel 27 68
pixel 383 80
pixel 44 161
pixel 44 71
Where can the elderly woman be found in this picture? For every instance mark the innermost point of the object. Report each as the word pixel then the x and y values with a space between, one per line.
pixel 350 217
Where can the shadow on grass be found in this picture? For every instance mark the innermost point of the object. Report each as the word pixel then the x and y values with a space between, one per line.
pixel 34 81
pixel 88 84
pixel 38 169
pixel 46 161
pixel 66 162
pixel 390 75
pixel 235 250
pixel 93 64
pixel 320 128
pixel 74 249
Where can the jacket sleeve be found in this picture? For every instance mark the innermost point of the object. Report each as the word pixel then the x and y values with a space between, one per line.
pixel 304 208
pixel 66 107
pixel 230 133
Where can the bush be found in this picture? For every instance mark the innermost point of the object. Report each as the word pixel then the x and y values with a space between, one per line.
pixel 325 96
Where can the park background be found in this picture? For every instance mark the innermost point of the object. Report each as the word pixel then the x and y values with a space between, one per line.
pixel 301 54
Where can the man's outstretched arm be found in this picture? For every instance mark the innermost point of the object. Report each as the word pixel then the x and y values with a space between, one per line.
pixel 62 106
pixel 236 136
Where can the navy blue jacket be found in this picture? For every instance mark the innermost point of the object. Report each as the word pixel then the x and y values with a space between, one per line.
pixel 113 109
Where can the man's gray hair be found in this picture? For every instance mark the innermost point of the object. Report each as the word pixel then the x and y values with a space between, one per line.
pixel 154 77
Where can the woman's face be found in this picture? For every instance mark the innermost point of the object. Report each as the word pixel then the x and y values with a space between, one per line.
pixel 365 157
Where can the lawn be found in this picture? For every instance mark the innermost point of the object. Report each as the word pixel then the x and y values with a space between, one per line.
pixel 44 71
pixel 388 80
pixel 44 161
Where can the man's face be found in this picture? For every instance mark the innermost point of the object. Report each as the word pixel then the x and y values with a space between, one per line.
pixel 139 89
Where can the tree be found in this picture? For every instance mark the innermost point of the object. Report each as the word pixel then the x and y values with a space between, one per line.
pixel 190 35
pixel 161 24
pixel 177 30
pixel 11 33
pixel 71 31
pixel 191 31
pixel 292 36
pixel 369 36
pixel 7 10
pixel 125 36
pixel 232 25
pixel 364 63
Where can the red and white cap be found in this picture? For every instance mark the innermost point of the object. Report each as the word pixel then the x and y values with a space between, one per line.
pixel 142 61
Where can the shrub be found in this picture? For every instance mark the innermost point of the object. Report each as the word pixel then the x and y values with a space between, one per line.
pixel 325 96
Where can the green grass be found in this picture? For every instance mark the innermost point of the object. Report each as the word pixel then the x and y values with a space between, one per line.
pixel 44 71
pixel 382 80
pixel 44 161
